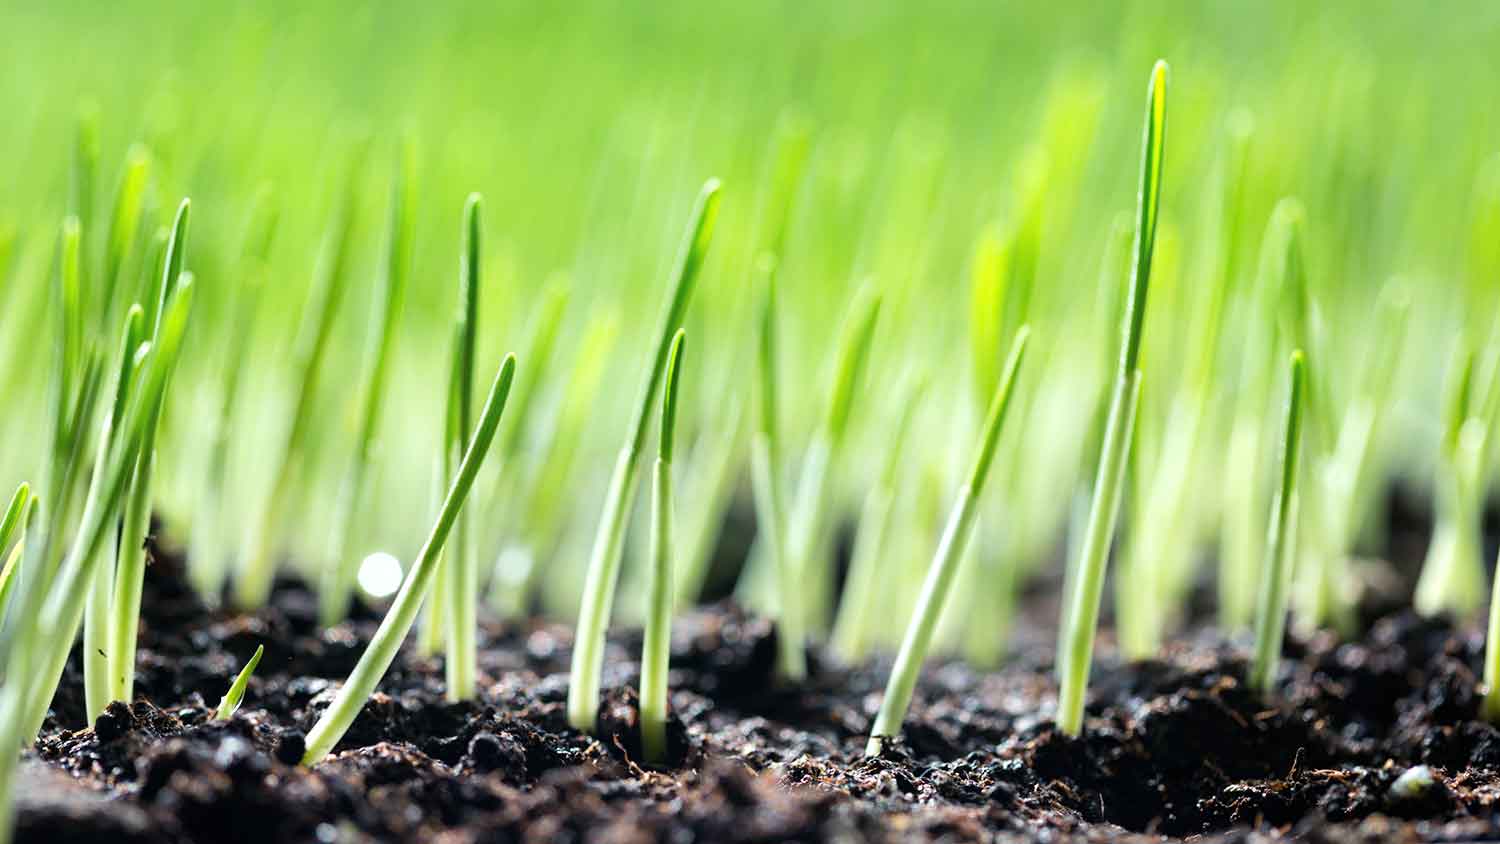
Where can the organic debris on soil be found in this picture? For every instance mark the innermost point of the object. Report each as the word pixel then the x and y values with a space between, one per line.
pixel 1177 747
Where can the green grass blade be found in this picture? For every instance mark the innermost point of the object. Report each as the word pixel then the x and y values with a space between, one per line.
pixel 96 628
pixel 1270 615
pixel 604 562
pixel 461 564
pixel 61 613
pixel 939 580
pixel 398 620
pixel 230 703
pixel 124 224
pixel 1081 612
pixel 656 644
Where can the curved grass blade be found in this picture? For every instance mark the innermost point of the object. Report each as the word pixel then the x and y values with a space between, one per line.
pixel 939 580
pixel 656 644
pixel 230 703
pixel 398 620
pixel 460 564
pixel 604 562
pixel 1270 615
pixel 1082 606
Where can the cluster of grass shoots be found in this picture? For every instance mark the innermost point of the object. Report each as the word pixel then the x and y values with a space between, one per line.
pixel 74 547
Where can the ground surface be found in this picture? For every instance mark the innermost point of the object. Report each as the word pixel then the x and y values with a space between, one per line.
pixel 1176 747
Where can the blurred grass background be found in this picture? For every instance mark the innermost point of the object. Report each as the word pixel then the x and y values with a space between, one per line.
pixel 588 127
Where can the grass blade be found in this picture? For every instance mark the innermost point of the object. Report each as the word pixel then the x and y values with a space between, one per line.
pixel 398 620
pixel 939 580
pixel 230 703
pixel 1081 614
pixel 604 562
pixel 656 645
pixel 1281 540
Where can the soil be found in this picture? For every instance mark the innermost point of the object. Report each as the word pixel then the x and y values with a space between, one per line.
pixel 1176 747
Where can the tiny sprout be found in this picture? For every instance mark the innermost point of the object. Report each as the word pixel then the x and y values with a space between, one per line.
pixel 232 699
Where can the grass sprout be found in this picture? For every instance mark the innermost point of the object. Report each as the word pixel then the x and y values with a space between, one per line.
pixel 1081 612
pixel 460 564
pixel 1452 576
pixel 604 561
pixel 230 702
pixel 657 641
pixel 130 570
pixel 402 614
pixel 940 574
pixel 96 629
pixel 1281 539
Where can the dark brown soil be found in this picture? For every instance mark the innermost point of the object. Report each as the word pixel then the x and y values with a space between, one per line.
pixel 1177 747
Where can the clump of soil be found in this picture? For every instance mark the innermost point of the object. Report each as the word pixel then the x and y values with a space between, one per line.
pixel 1175 747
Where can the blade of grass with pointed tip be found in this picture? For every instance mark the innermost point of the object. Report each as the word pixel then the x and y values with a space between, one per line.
pixel 399 618
pixel 656 643
pixel 130 574
pixel 62 610
pixel 460 564
pixel 604 561
pixel 939 579
pixel 1082 613
pixel 1281 541
pixel 230 703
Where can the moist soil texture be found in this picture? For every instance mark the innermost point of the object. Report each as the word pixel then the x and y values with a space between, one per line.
pixel 1371 739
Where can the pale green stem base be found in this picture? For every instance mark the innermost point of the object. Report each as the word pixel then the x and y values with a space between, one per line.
pixel 656 646
pixel 599 594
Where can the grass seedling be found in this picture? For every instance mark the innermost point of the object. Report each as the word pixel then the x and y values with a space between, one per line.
pixel 230 702
pixel 398 620
pixel 461 564
pixel 1281 540
pixel 124 226
pixel 1081 612
pixel 657 642
pixel 604 562
pixel 791 659
pixel 333 600
pixel 1452 576
pixel 59 603
pixel 939 580
pixel 252 583
pixel 130 573
pixel 96 630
